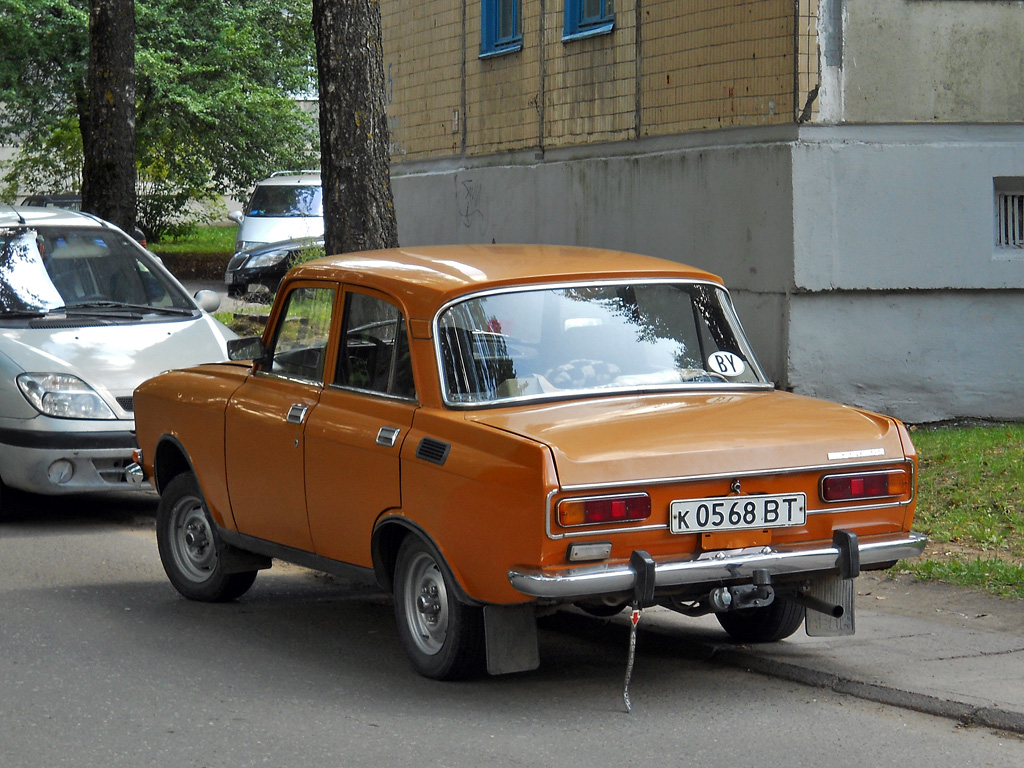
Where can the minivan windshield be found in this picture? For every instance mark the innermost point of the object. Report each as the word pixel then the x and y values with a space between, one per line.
pixel 60 268
pixel 286 201
pixel 592 339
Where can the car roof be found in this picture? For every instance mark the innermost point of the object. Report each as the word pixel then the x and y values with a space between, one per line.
pixel 284 178
pixel 428 277
pixel 48 216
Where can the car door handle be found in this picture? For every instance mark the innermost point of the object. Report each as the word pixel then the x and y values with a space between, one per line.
pixel 297 413
pixel 388 436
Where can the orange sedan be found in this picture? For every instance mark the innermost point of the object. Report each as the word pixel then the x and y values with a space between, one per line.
pixel 490 430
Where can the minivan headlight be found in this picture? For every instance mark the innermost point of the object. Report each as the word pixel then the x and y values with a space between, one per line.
pixel 267 259
pixel 63 396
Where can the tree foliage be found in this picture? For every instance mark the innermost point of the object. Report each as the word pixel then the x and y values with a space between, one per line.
pixel 215 88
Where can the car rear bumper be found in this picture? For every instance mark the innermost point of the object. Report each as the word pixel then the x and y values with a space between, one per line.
pixel 714 568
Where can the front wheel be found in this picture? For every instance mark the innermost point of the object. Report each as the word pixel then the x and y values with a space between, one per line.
pixel 190 548
pixel 443 636
pixel 763 625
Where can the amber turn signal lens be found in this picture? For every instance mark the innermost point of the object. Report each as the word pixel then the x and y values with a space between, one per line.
pixel 604 509
pixel 864 485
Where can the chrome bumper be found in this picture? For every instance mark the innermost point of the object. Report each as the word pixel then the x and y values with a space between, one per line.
pixel 713 567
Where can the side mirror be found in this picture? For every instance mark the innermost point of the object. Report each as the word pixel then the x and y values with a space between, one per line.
pixel 250 348
pixel 236 216
pixel 208 301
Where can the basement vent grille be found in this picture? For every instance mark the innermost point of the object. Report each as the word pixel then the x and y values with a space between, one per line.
pixel 1010 220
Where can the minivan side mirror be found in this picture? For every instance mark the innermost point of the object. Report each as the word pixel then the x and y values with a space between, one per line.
pixel 236 216
pixel 208 301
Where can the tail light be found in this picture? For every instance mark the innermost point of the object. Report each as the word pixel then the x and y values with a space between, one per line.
pixel 596 510
pixel 861 486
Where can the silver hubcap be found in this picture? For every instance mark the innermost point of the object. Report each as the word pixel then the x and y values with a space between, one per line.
pixel 194 550
pixel 426 604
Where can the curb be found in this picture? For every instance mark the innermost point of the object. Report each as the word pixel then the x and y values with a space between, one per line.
pixel 741 658
pixel 967 714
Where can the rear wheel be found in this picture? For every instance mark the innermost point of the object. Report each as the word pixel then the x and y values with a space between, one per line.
pixel 443 636
pixel 763 625
pixel 190 548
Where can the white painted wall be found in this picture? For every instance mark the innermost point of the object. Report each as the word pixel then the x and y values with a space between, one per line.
pixel 897 61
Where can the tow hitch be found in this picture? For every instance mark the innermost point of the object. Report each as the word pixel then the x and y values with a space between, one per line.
pixel 759 594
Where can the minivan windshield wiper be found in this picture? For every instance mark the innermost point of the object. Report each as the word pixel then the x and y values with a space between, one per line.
pixel 7 313
pixel 91 307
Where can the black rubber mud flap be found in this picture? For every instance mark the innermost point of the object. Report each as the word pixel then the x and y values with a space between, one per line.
pixel 510 633
pixel 836 591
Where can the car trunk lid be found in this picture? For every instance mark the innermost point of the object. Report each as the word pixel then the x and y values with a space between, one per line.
pixel 626 439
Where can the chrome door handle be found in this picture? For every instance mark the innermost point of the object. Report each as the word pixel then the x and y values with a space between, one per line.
pixel 388 436
pixel 297 413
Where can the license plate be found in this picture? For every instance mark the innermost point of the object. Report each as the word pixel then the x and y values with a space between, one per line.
pixel 729 513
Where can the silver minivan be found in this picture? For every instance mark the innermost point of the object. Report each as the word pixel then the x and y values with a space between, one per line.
pixel 86 315
pixel 287 206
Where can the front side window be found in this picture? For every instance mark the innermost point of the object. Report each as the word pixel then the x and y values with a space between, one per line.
pixel 375 348
pixel 299 347
pixel 499 27
pixel 586 18
pixel 592 339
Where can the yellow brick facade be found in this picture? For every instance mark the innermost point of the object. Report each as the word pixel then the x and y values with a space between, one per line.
pixel 688 66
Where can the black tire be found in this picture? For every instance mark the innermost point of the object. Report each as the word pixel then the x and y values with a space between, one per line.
pixel 443 636
pixel 763 625
pixel 190 548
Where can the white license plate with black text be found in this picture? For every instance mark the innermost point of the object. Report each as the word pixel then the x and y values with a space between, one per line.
pixel 729 513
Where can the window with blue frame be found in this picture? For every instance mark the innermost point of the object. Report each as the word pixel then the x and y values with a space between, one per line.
pixel 499 27
pixel 586 18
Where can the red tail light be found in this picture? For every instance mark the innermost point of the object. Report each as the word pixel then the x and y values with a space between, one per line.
pixel 604 509
pixel 864 485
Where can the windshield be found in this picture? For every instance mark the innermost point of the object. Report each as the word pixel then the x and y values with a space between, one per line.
pixel 279 200
pixel 592 339
pixel 52 268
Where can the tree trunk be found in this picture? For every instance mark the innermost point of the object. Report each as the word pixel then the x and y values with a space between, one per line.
pixel 359 209
pixel 108 120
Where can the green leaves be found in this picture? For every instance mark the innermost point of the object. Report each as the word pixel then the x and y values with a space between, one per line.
pixel 216 86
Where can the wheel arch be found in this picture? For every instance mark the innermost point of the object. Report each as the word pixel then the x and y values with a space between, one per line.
pixel 387 540
pixel 170 460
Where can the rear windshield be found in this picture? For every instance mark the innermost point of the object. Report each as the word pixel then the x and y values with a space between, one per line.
pixel 593 339
pixel 286 201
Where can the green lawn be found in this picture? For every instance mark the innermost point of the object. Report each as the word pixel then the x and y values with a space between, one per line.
pixel 970 503
pixel 201 240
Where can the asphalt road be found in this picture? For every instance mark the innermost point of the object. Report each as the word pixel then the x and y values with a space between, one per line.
pixel 103 664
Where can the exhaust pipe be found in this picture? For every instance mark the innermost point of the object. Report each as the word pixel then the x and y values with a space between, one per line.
pixel 817 604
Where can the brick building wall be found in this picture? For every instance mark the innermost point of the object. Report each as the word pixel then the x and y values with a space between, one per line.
pixel 685 67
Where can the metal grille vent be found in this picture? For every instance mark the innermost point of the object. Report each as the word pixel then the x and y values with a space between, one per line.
pixel 1010 220
pixel 433 451
pixel 127 404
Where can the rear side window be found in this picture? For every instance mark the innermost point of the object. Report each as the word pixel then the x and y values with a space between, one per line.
pixel 375 348
pixel 285 201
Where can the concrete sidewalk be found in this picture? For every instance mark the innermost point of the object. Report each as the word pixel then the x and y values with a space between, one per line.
pixel 922 646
